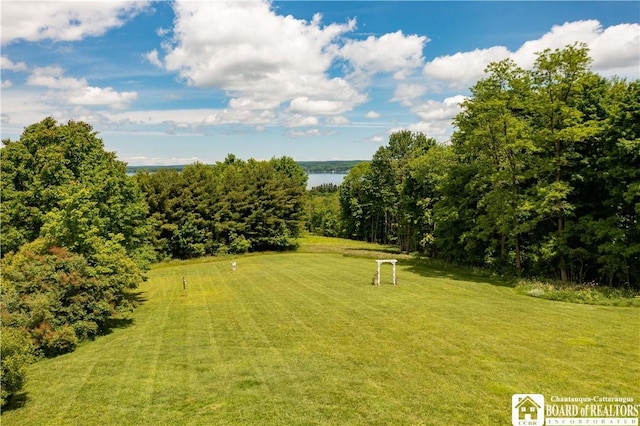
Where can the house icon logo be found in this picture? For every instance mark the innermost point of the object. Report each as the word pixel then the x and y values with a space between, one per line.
pixel 527 410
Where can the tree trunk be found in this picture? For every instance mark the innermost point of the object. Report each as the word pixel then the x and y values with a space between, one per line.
pixel 563 260
pixel 516 246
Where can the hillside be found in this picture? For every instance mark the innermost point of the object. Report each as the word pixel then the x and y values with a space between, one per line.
pixel 304 338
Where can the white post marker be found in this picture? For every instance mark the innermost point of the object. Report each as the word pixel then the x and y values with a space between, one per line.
pixel 393 262
pixel 233 266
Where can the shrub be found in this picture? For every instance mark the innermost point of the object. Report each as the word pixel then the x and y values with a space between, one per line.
pixel 85 329
pixel 60 298
pixel 17 354
pixel 57 341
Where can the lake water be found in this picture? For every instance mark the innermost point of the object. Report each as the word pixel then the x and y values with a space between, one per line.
pixel 317 179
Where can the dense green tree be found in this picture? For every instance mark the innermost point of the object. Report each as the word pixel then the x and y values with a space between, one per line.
pixel 59 182
pixel 430 173
pixel 560 127
pixel 378 199
pixel 412 223
pixel 354 204
pixel 162 189
pixel 619 245
pixel 604 239
pixel 233 206
pixel 493 133
pixel 323 212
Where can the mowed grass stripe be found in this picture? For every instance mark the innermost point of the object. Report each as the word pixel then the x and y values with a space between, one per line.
pixel 302 338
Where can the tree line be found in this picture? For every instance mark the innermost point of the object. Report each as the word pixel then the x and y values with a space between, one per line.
pixel 541 177
pixel 234 206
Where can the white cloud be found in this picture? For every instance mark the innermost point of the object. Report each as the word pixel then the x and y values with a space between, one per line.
pixel 240 116
pixel 614 50
pixel 153 58
pixel 161 32
pixel 307 133
pixel 338 120
pixel 392 52
pixel 462 69
pixel 298 120
pixel 76 91
pixel 303 104
pixel 405 93
pixel 7 64
pixel 64 21
pixel 249 51
pixel 102 96
pixel 372 115
pixel 559 37
pixel 439 111
pixel 617 51
pixel 6 84
pixel 265 61
pixel 177 117
pixel 251 103
pixel 435 117
pixel 53 78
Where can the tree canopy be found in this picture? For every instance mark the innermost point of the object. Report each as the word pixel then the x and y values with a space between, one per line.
pixel 541 177
pixel 232 206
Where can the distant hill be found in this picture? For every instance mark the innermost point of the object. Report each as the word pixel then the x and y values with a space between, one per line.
pixel 337 166
pixel 329 166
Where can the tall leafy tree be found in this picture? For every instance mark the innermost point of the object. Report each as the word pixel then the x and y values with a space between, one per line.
pixel 493 131
pixel 354 202
pixel 58 182
pixel 606 238
pixel 558 81
pixel 425 192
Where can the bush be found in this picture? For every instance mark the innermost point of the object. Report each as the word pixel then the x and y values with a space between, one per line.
pixel 57 341
pixel 17 354
pixel 60 298
pixel 85 329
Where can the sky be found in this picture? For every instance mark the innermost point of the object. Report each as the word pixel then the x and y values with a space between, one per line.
pixel 184 81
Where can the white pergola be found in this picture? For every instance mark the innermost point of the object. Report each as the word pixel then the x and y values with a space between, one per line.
pixel 380 262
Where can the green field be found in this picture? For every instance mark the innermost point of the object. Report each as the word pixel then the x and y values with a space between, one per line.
pixel 303 338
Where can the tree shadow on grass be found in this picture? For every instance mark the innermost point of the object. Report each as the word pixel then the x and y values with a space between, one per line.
pixel 16 402
pixel 113 324
pixel 391 250
pixel 437 269
pixel 135 299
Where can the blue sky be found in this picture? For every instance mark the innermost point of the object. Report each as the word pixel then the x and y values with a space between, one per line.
pixel 178 82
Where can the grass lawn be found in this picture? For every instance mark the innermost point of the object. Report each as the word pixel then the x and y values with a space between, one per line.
pixel 303 338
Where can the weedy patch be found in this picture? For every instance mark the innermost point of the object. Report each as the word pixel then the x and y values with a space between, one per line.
pixel 589 294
